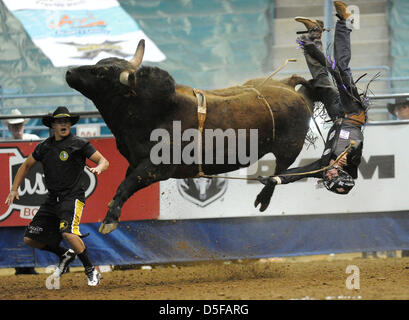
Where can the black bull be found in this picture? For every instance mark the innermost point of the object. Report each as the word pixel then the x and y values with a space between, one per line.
pixel 135 100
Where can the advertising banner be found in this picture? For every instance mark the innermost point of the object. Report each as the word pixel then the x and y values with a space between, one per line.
pixel 99 191
pixel 82 32
pixel 382 185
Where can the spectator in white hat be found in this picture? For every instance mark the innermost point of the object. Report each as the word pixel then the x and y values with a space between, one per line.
pixel 17 126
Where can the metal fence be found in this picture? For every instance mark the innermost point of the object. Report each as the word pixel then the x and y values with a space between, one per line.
pixel 34 106
pixel 89 110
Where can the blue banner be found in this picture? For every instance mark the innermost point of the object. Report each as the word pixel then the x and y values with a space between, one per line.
pixel 156 241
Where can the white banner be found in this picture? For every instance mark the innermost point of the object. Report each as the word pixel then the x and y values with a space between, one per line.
pixel 382 185
pixel 81 32
pixel 13 5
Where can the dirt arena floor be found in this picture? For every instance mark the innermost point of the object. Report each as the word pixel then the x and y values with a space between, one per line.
pixel 314 277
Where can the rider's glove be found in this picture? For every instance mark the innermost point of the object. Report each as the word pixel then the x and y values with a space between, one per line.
pixel 267 180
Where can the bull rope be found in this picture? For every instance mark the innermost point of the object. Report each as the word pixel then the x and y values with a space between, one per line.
pixel 260 96
pixel 290 174
pixel 277 70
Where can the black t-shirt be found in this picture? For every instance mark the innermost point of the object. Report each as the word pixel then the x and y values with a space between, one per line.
pixel 63 163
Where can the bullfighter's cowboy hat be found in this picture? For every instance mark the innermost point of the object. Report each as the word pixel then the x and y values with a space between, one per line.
pixel 60 113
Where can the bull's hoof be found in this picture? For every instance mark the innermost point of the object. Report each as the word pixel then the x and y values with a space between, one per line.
pixel 106 228
pixel 264 198
pixel 263 206
pixel 112 218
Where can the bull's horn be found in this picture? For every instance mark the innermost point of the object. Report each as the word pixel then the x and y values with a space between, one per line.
pixel 135 62
pixel 138 56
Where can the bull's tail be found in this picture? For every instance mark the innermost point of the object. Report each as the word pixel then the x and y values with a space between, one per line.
pixel 307 89
pixel 296 80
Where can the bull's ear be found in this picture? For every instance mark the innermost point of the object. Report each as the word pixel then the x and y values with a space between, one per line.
pixel 123 77
pixel 128 78
pixel 138 56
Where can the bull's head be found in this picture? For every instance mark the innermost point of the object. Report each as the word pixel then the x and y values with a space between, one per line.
pixel 113 82
pixel 91 80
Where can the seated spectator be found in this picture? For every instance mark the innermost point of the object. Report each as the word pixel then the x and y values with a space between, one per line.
pixel 17 126
pixel 400 109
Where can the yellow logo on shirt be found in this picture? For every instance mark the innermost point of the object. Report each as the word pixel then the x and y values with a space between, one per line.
pixel 63 155
pixel 63 224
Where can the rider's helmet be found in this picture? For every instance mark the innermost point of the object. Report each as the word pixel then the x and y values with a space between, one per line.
pixel 343 181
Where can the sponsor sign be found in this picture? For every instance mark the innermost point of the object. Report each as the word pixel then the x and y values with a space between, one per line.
pixel 381 186
pixel 88 130
pixel 202 191
pixel 99 189
pixel 82 32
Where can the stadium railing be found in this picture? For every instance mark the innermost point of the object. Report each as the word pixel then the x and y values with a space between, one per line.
pixel 87 109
